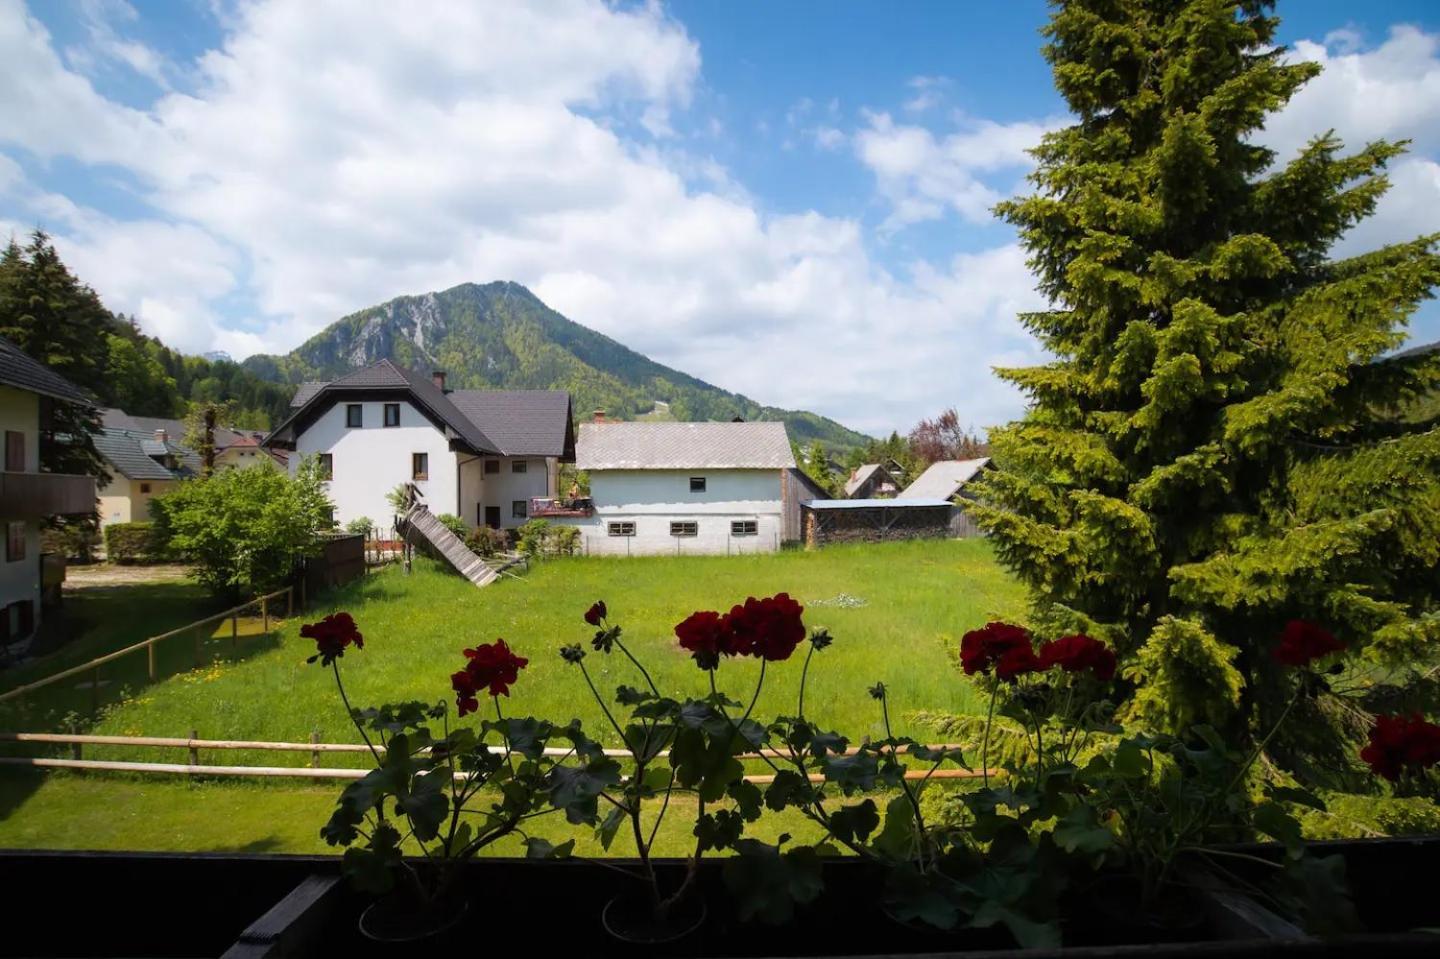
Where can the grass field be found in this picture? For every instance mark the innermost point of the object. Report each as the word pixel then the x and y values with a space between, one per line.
pixel 918 599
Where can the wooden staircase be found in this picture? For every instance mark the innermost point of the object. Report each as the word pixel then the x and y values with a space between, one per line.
pixel 419 523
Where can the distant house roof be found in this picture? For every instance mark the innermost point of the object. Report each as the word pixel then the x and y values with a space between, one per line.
pixel 504 422
pixel 660 446
pixel 944 479
pixel 18 370
pixel 872 503
pixel 1413 352
pixel 138 456
pixel 863 474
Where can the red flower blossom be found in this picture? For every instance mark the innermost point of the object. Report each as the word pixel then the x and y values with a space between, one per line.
pixel 1401 743
pixel 1015 661
pixel 982 648
pixel 332 634
pixel 493 667
pixel 1078 653
pixel 707 635
pixel 1302 641
pixel 768 629
pixel 595 613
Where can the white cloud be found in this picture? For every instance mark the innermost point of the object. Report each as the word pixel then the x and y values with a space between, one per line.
pixel 331 156
pixel 929 93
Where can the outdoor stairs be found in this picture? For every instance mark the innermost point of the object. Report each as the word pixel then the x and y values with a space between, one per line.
pixel 425 526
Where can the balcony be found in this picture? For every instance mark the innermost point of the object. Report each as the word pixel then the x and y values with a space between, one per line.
pixel 33 495
pixel 545 507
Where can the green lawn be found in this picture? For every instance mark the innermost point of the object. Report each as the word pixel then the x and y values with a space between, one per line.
pixel 918 599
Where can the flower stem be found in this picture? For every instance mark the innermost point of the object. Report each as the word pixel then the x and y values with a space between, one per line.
pixel 350 711
pixel 985 740
pixel 804 675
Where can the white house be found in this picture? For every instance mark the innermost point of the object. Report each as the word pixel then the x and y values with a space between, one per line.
pixel 28 391
pixel 680 488
pixel 482 455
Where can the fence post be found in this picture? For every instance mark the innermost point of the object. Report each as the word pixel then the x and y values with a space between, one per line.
pixel 194 753
pixel 234 629
pixel 314 753
pixel 75 750
pixel 150 657
pixel 265 613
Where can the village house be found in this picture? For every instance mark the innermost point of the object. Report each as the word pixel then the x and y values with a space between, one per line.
pixel 482 455
pixel 681 488
pixel 28 392
pixel 872 481
pixel 949 480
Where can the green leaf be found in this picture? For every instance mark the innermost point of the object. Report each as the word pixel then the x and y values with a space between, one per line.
pixel 931 898
pixel 766 884
pixel 855 823
pixel 538 848
pixel 1292 794
pixel 854 773
pixel 427 804
pixel 1272 820
pixel 901 836
pixel 1080 831
pixel 747 798
pixel 789 788
pixel 607 829
pixel 372 867
pixel 576 789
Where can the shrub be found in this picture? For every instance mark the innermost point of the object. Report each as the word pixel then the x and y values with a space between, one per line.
pixel 538 538
pixel 133 543
pixel 454 524
pixel 363 525
pixel 74 539
pixel 487 541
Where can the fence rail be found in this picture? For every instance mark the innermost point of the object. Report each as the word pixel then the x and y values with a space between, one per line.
pixel 195 768
pixel 148 645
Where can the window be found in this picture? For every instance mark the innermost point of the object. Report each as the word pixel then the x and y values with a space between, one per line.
pixel 518 509
pixel 517 466
pixel 354 415
pixel 15 451
pixel 621 529
pixel 684 529
pixel 420 466
pixel 144 489
pixel 697 484
pixel 15 542
pixel 492 466
pixel 744 527
pixel 327 466
pixel 392 414
pixel 16 620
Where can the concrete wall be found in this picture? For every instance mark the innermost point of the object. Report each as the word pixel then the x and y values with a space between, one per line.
pixel 653 499
pixel 479 490
pixel 371 460
pixel 20 580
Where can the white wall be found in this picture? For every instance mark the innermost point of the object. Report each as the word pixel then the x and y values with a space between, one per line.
pixel 20 411
pixel 371 460
pixel 478 490
pixel 652 499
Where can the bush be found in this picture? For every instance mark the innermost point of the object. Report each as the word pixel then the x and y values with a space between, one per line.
pixel 133 543
pixel 454 524
pixel 538 538
pixel 487 541
pixel 363 525
pixel 76 540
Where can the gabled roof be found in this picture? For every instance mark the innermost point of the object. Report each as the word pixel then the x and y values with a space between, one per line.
pixel 24 373
pixel 175 430
pixel 661 445
pixel 944 479
pixel 522 422
pixel 133 454
pixel 305 392
pixel 862 475
pixel 896 503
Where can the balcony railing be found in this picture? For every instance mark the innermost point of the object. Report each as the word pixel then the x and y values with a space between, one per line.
pixel 546 507
pixel 33 495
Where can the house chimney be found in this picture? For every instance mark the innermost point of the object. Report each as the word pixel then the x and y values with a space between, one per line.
pixel 161 436
pixel 599 416
pixel 438 377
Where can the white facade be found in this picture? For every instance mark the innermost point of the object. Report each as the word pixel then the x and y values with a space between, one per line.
pixel 505 491
pixel 20 578
pixel 636 512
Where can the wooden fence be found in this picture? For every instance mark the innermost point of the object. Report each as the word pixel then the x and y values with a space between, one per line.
pixel 194 767
pixel 148 645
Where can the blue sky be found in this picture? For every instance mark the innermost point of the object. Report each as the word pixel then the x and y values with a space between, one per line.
pixel 723 186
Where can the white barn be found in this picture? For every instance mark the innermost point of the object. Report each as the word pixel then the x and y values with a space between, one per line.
pixel 681 488
pixel 483 455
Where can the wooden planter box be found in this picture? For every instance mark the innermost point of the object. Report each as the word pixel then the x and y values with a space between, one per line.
pixel 246 907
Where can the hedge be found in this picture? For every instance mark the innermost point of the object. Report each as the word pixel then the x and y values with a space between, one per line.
pixel 130 543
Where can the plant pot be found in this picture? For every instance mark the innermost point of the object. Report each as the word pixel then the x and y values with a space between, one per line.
pixel 631 919
pixel 1120 913
pixel 395 919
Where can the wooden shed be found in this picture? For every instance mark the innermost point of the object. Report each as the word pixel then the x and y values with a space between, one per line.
pixel 874 520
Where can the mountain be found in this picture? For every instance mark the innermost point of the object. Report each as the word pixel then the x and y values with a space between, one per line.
pixel 501 336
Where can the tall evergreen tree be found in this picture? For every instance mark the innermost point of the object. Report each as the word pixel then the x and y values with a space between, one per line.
pixel 1205 458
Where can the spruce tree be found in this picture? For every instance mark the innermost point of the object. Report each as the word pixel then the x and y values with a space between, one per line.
pixel 1209 455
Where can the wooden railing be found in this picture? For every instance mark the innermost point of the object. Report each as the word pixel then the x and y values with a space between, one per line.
pixel 148 645
pixel 30 495
pixel 194 767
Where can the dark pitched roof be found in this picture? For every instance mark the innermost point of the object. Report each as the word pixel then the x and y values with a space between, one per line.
pixel 523 422
pixel 20 371
pixel 175 429
pixel 1415 351
pixel 305 392
pixel 133 454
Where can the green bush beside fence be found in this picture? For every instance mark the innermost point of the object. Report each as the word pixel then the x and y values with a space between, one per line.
pixel 133 543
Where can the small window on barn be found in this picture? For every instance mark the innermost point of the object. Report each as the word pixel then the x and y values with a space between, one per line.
pixel 518 466
pixel 492 466
pixel 684 529
pixel 354 415
pixel 15 542
pixel 14 451
pixel 697 484
pixel 327 466
pixel 620 529
pixel 392 414
pixel 744 527
pixel 144 489
pixel 518 509
pixel 420 466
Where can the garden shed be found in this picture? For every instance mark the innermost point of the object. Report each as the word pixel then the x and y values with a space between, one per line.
pixel 874 520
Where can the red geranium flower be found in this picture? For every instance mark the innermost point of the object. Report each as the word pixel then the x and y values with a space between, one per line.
pixel 1400 743
pixel 706 634
pixel 332 634
pixel 982 648
pixel 1078 653
pixel 1303 641
pixel 769 628
pixel 492 666
pixel 1015 661
pixel 595 613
